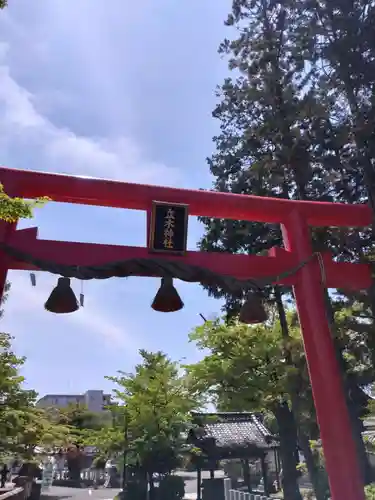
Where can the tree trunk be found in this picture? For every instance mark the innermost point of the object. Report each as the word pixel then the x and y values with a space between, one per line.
pixel 152 486
pixel 74 468
pixel 246 474
pixel 287 433
pixel 320 487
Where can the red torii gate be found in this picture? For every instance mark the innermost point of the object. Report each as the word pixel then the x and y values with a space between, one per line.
pixel 295 218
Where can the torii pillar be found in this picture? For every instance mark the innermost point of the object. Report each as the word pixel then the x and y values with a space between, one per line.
pixel 295 217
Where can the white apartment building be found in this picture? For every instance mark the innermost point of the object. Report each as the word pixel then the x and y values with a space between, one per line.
pixel 93 400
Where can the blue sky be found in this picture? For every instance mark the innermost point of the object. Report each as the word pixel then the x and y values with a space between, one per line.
pixel 120 90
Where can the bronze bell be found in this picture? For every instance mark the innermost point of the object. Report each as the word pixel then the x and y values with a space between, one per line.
pixel 62 299
pixel 253 311
pixel 167 298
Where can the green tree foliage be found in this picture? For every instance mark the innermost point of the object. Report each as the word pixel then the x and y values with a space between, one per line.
pixel 294 125
pixel 344 77
pixel 23 427
pixel 343 58
pixel 79 418
pixel 154 406
pixel 257 369
pixel 109 439
pixel 343 61
pixel 269 123
pixel 370 492
pixel 245 369
pixel 84 427
pixel 12 209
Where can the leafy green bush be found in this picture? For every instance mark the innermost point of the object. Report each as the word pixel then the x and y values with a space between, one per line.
pixel 370 491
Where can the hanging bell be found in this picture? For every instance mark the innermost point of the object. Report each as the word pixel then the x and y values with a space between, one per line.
pixel 253 311
pixel 62 299
pixel 167 298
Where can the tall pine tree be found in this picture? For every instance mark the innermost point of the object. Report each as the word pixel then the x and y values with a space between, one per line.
pixel 267 145
pixel 281 134
pixel 343 56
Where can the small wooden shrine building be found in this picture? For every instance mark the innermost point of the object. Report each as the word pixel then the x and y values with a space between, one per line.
pixel 228 436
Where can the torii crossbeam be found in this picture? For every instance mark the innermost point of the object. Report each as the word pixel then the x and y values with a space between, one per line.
pixel 295 218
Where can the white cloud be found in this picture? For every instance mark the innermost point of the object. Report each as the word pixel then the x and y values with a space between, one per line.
pixel 23 128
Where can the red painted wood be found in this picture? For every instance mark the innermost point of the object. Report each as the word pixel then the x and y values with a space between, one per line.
pixel 64 188
pixel 6 233
pixel 332 413
pixel 296 216
pixel 339 275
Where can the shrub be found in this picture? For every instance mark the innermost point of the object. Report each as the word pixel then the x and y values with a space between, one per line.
pixel 370 491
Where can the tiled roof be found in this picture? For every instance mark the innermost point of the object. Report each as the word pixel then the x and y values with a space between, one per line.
pixel 367 389
pixel 369 436
pixel 231 433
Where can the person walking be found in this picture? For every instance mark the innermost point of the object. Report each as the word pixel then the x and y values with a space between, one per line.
pixel 110 474
pixel 60 465
pixel 98 467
